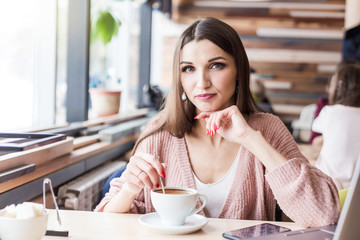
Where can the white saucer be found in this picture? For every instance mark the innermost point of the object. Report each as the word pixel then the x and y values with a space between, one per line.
pixel 192 224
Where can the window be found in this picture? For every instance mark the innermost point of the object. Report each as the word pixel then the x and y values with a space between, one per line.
pixel 33 60
pixel 27 60
pixel 114 65
pixel 118 59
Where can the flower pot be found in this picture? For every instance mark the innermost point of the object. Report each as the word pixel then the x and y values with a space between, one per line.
pixel 104 102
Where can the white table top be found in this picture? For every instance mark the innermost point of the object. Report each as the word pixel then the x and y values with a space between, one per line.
pixel 93 225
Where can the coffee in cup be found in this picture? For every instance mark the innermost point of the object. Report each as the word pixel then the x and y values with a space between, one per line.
pixel 171 191
pixel 176 204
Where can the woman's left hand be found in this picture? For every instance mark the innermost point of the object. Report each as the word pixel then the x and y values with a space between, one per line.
pixel 232 126
pixel 229 123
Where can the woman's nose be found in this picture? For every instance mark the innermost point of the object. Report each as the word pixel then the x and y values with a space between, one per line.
pixel 203 80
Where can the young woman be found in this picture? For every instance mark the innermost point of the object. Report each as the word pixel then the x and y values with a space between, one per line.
pixel 339 125
pixel 211 136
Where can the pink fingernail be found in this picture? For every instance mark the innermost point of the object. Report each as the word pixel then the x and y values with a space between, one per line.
pixel 157 185
pixel 162 174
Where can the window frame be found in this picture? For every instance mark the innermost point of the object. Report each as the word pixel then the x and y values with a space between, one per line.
pixel 45 64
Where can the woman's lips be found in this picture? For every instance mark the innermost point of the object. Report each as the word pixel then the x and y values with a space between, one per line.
pixel 206 96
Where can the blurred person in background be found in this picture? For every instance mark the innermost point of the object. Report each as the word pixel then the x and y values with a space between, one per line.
pixel 339 124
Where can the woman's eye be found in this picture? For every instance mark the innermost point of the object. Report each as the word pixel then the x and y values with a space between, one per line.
pixel 218 65
pixel 187 69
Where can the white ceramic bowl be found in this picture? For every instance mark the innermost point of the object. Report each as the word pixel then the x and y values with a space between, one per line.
pixel 23 229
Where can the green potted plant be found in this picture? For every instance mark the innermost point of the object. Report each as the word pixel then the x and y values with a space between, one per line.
pixel 104 27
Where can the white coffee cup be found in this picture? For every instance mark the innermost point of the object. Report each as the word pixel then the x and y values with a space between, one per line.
pixel 176 204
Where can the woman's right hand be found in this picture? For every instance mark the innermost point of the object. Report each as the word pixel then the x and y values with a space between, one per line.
pixel 143 170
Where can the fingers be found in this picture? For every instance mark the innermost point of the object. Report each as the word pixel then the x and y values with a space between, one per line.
pixel 143 170
pixel 203 115
pixel 216 120
pixel 208 117
pixel 152 160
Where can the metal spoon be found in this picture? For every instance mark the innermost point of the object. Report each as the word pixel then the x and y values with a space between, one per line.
pixel 161 180
pixel 162 184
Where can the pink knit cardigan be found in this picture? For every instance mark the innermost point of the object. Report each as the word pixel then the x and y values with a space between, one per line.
pixel 304 193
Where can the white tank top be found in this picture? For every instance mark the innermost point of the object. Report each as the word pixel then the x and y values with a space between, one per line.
pixel 218 191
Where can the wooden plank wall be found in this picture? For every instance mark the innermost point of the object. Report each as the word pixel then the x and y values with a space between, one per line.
pixel 294 46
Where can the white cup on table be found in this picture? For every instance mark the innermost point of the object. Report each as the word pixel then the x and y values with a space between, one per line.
pixel 176 204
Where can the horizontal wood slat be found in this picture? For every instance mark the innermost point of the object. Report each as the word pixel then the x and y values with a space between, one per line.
pixel 286 43
pixel 36 156
pixel 64 161
pixel 295 56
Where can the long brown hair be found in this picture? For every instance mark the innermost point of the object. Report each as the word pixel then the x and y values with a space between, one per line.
pixel 178 115
pixel 345 85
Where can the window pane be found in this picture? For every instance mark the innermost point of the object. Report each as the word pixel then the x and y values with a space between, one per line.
pixel 61 62
pixel 114 64
pixel 17 23
pixel 27 60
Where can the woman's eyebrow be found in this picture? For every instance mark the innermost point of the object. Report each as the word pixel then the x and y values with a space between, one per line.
pixel 210 60
pixel 185 62
pixel 216 58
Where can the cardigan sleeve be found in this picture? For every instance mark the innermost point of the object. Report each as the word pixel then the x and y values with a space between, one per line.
pixel 138 205
pixel 304 193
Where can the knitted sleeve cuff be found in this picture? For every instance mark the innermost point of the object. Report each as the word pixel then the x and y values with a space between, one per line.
pixel 304 193
pixel 286 173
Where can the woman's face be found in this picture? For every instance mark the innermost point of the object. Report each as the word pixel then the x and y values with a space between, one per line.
pixel 207 75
